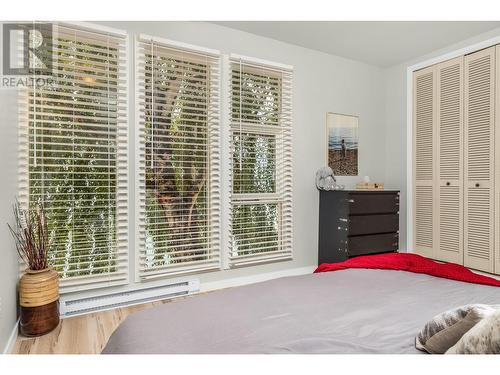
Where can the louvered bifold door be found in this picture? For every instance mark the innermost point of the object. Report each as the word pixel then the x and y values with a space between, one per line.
pixel 479 160
pixel 424 118
pixel 497 162
pixel 449 145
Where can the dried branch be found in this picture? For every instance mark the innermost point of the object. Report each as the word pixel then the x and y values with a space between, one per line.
pixel 30 234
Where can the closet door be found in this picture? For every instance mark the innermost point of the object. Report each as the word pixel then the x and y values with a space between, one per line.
pixel 449 189
pixel 497 162
pixel 424 119
pixel 479 160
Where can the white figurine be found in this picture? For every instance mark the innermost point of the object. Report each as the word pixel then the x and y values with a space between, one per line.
pixel 325 180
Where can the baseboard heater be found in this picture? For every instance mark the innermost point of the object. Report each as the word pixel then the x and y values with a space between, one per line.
pixel 72 306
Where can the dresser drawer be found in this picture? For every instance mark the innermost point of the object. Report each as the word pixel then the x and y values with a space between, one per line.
pixel 370 224
pixel 370 244
pixel 373 203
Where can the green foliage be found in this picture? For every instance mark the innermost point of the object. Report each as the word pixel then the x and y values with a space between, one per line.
pixel 177 162
pixel 72 138
pixel 255 102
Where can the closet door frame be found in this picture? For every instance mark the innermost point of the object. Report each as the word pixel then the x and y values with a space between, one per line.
pixel 409 242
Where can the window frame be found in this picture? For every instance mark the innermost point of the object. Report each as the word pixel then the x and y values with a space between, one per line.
pixel 84 283
pixel 139 163
pixel 283 170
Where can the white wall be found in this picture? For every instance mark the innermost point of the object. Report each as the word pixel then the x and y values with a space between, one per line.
pixel 8 191
pixel 395 122
pixel 322 83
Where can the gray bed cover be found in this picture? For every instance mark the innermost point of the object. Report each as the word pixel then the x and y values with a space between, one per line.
pixel 349 311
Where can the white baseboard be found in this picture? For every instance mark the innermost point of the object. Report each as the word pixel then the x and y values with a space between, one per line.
pixel 12 339
pixel 245 280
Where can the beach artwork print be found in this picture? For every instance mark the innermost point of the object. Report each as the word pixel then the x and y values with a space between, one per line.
pixel 342 133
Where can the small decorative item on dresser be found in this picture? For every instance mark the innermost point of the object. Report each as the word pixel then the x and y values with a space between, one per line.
pixel 325 180
pixel 370 186
pixel 39 286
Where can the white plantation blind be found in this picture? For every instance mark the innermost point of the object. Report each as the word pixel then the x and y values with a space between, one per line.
pixel 179 158
pixel 73 155
pixel 261 161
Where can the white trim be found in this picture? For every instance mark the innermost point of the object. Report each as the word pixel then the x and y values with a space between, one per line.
pixel 226 188
pixel 179 45
pixel 409 161
pixel 261 62
pixel 459 52
pixel 93 27
pixel 409 122
pixel 9 346
pixel 136 163
pixel 246 280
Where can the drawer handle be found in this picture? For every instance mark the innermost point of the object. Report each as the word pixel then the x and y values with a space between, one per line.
pixel 447 184
pixel 350 200
pixel 342 219
pixel 477 185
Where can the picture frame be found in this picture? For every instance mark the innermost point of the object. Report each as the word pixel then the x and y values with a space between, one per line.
pixel 342 143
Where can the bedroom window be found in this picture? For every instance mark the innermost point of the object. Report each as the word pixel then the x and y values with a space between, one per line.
pixel 73 149
pixel 179 158
pixel 261 162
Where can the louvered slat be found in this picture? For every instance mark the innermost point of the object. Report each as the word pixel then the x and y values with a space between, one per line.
pixel 450 234
pixel 424 114
pixel 479 159
pixel 423 217
pixel 449 108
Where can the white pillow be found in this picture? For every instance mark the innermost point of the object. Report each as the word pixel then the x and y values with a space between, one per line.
pixel 483 338
pixel 445 329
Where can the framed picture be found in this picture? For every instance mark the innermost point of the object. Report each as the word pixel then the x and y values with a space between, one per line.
pixel 342 144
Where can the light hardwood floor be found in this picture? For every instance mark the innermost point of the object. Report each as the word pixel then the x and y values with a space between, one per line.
pixel 86 334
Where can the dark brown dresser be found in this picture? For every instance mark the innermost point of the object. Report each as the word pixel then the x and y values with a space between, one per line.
pixel 357 222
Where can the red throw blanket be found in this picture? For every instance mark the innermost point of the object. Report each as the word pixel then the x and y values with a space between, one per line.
pixel 411 263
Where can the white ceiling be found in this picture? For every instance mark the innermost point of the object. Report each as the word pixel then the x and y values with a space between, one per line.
pixel 377 43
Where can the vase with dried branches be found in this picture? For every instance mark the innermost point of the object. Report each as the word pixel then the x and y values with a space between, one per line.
pixel 39 286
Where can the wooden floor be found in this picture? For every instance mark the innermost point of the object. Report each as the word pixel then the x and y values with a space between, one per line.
pixel 86 334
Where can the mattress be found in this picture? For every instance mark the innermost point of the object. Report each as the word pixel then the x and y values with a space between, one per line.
pixel 348 311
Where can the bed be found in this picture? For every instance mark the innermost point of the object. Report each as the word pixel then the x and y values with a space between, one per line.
pixel 347 311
